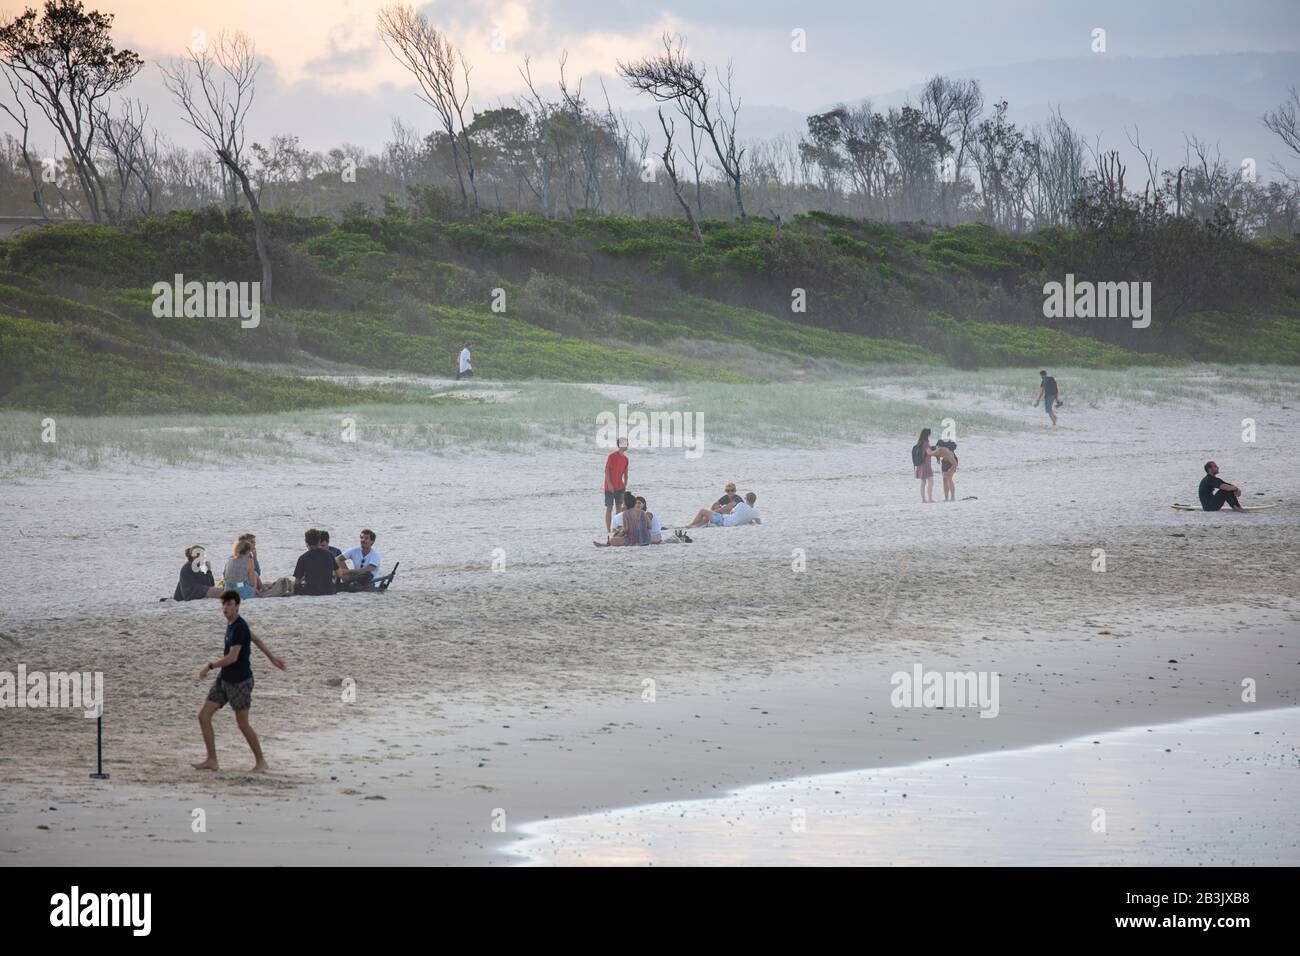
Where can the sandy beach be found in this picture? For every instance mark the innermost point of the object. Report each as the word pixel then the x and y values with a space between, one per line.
pixel 573 681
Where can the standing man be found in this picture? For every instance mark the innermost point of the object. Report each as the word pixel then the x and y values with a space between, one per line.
pixel 234 684
pixel 1215 492
pixel 466 370
pixel 1048 394
pixel 615 481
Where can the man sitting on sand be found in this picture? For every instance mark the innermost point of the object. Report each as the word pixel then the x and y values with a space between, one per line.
pixel 1215 492
pixel 365 562
pixel 234 684
pixel 743 513
pixel 314 572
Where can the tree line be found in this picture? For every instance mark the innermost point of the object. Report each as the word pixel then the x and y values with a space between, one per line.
pixel 947 156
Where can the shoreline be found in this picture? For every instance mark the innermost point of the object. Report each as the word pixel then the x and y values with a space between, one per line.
pixel 1028 806
pixel 390 792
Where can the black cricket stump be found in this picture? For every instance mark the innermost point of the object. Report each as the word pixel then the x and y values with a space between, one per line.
pixel 99 749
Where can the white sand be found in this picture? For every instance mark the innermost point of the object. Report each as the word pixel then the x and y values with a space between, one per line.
pixel 558 645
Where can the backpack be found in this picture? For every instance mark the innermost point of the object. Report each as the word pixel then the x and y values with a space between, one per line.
pixel 917 454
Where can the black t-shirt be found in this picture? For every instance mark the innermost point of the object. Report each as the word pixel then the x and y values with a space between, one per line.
pixel 1209 484
pixel 192 584
pixel 1049 386
pixel 315 568
pixel 728 500
pixel 238 633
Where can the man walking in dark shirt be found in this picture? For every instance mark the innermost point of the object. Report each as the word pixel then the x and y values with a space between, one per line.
pixel 314 572
pixel 1215 492
pixel 234 684
pixel 1048 394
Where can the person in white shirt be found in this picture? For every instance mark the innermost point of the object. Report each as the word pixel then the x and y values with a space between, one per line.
pixel 365 559
pixel 466 370
pixel 743 513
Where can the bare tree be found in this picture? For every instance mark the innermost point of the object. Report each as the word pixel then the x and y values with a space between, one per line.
pixel 442 74
pixel 215 88
pixel 66 64
pixel 670 167
pixel 24 124
pixel 670 77
pixel 589 135
pixel 133 154
pixel 1284 122
pixel 545 148
pixel 953 107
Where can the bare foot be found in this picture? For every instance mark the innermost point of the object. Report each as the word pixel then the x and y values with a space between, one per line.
pixel 207 765
pixel 260 767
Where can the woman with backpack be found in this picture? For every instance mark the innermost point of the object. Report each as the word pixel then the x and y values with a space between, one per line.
pixel 921 453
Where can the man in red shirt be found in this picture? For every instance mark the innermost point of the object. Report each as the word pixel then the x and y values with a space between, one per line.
pixel 615 481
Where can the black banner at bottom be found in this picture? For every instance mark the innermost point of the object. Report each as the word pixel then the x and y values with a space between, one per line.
pixel 337 905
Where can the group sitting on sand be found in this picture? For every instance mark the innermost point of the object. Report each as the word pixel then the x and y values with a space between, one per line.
pixel 635 524
pixel 321 569
pixel 946 452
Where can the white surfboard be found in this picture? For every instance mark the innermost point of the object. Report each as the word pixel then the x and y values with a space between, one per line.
pixel 1243 507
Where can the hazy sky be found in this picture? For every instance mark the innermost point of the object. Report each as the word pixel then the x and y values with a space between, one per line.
pixel 328 78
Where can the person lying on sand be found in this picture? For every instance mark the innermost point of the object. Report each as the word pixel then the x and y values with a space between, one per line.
pixel 633 525
pixel 728 500
pixel 196 577
pixel 1215 492
pixel 234 684
pixel 743 513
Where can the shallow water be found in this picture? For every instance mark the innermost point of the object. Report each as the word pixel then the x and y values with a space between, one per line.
pixel 1209 791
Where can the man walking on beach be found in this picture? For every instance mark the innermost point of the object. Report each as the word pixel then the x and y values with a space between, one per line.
pixel 615 481
pixel 1215 492
pixel 1048 394
pixel 234 684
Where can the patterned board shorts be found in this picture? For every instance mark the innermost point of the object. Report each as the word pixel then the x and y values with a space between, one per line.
pixel 239 696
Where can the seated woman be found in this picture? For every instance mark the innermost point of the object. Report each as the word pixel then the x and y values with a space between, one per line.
pixel 240 573
pixel 196 577
pixel 634 528
pixel 656 531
